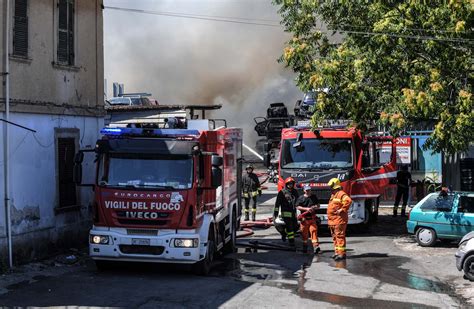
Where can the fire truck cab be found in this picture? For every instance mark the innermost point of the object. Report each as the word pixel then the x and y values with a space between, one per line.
pixel 364 165
pixel 165 195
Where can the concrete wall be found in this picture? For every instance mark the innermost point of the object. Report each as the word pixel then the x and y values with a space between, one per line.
pixel 37 225
pixel 41 85
pixel 48 97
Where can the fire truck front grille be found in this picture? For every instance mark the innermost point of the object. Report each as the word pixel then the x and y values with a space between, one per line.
pixel 321 211
pixel 323 195
pixel 142 232
pixel 151 250
pixel 142 222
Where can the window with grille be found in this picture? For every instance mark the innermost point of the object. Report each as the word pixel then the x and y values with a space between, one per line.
pixel 20 28
pixel 67 188
pixel 66 32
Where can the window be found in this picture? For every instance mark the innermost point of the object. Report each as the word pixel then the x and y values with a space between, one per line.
pixel 67 143
pixel 146 171
pixel 466 204
pixel 20 28
pixel 376 153
pixel 437 202
pixel 66 32
pixel 317 154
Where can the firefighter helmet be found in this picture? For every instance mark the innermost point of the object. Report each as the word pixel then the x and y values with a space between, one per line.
pixel 279 225
pixel 249 166
pixel 289 180
pixel 334 183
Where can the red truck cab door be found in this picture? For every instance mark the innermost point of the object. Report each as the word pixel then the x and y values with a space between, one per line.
pixel 377 162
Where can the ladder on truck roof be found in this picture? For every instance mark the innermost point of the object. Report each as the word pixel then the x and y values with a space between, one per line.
pixel 159 116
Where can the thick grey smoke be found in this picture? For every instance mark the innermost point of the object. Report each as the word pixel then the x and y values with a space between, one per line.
pixel 190 61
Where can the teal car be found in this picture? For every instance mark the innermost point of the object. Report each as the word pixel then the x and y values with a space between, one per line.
pixel 442 216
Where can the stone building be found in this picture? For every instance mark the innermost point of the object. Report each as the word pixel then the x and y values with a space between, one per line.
pixel 55 56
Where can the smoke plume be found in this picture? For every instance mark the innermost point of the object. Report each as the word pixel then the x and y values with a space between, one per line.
pixel 194 61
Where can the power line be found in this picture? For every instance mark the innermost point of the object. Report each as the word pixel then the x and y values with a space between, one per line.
pixel 248 22
pixel 408 29
pixel 235 20
pixel 406 36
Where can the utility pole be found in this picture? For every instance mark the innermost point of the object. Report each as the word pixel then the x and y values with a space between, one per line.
pixel 6 136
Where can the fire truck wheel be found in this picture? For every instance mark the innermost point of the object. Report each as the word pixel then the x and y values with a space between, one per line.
pixel 230 246
pixel 203 267
pixel 367 216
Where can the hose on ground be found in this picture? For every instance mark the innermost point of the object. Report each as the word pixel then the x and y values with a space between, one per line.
pixel 247 226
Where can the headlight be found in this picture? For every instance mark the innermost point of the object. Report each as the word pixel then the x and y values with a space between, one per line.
pixel 99 239
pixel 463 245
pixel 186 242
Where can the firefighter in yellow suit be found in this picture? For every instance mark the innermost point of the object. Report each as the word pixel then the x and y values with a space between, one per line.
pixel 337 212
pixel 250 190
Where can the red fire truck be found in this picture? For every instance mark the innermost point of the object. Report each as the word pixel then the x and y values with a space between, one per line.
pixel 165 195
pixel 364 167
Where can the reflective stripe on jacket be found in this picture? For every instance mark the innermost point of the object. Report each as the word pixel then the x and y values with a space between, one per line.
pixel 339 200
pixel 286 201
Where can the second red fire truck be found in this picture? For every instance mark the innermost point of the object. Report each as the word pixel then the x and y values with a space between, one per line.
pixel 364 164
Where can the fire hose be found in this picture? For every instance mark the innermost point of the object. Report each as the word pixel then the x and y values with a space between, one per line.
pixel 246 226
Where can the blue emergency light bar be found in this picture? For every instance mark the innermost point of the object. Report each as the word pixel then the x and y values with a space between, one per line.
pixel 147 132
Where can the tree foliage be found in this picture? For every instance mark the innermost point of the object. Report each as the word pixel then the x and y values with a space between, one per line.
pixel 396 63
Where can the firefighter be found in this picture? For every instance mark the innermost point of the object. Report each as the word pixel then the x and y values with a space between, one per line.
pixel 307 204
pixel 251 189
pixel 403 188
pixel 286 200
pixel 337 212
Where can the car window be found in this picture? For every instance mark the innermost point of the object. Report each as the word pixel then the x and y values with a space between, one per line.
pixel 437 202
pixel 466 204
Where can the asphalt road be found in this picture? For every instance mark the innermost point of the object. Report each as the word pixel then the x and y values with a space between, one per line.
pixel 384 269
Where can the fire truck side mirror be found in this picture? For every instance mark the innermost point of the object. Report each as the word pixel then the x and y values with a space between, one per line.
pixel 216 161
pixel 79 157
pixel 216 177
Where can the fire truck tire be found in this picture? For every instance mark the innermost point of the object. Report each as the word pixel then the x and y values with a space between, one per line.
pixel 103 265
pixel 230 246
pixel 203 267
pixel 367 216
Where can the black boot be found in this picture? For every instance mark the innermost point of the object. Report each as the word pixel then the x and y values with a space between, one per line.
pixel 316 250
pixel 254 213
pixel 283 237
pixel 246 216
pixel 403 213
pixel 292 242
pixel 394 213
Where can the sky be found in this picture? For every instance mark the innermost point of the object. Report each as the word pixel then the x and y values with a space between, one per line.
pixel 199 61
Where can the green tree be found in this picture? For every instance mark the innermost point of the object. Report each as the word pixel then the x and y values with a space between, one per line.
pixel 396 63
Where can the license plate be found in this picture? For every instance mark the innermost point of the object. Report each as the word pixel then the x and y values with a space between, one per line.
pixel 140 241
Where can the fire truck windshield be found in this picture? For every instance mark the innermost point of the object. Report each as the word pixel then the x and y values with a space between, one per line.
pixel 317 154
pixel 146 171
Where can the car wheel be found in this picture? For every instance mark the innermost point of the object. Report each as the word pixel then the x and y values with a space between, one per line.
pixel 468 267
pixel 426 237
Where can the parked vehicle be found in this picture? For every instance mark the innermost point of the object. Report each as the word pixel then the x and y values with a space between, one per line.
pixel 165 195
pixel 465 256
pixel 364 163
pixel 442 215
pixel 132 99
